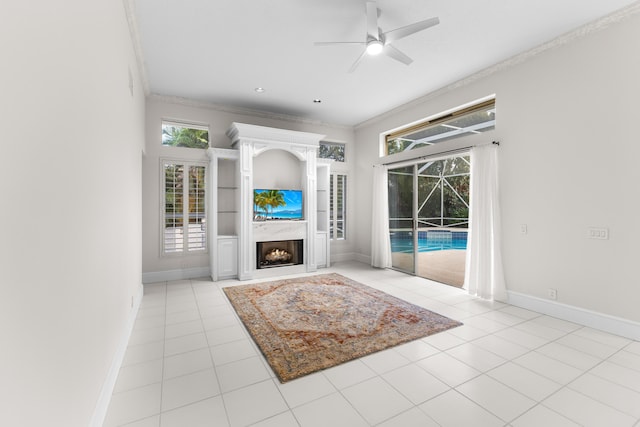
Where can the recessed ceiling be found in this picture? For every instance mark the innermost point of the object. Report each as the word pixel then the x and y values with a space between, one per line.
pixel 221 51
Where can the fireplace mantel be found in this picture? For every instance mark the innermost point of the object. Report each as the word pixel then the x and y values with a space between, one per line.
pixel 279 230
pixel 249 142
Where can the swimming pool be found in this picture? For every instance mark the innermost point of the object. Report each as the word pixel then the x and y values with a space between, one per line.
pixel 429 240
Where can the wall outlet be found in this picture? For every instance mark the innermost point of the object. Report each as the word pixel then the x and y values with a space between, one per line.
pixel 598 233
pixel 523 228
pixel 552 294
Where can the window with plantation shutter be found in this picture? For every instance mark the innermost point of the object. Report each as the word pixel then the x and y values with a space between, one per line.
pixel 184 213
pixel 337 202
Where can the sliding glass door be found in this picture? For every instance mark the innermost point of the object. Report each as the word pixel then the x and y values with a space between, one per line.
pixel 402 218
pixel 429 218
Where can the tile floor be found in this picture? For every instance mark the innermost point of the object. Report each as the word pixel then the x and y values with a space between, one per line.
pixel 191 363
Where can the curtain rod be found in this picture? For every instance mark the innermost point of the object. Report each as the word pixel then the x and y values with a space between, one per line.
pixel 457 150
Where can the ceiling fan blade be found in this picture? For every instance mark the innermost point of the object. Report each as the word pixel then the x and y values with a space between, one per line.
pixel 394 53
pixel 333 43
pixel 355 64
pixel 372 20
pixel 398 33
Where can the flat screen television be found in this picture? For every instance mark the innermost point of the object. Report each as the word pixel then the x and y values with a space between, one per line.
pixel 272 204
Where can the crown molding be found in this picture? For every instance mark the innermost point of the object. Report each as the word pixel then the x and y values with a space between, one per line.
pixel 188 102
pixel 580 32
pixel 129 10
pixel 269 135
pixel 568 37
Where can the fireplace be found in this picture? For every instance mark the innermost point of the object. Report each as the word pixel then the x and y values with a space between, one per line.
pixel 279 253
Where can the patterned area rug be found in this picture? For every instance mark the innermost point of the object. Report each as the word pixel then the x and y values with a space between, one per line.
pixel 306 324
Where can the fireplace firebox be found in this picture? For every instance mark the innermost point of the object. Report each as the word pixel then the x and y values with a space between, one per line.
pixel 280 253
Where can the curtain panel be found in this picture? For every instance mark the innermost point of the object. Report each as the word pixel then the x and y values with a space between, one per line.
pixel 484 276
pixel 380 240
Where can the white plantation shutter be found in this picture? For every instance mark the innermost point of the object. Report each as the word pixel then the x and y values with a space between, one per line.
pixel 173 208
pixel 184 214
pixel 196 235
pixel 338 204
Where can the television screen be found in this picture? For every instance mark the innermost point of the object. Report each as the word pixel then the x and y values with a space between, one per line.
pixel 271 204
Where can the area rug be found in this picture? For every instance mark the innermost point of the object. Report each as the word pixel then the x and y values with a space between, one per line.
pixel 306 324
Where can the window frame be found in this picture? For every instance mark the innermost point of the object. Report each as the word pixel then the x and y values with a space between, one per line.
pixel 188 125
pixel 186 164
pixel 438 119
pixel 333 218
pixel 332 143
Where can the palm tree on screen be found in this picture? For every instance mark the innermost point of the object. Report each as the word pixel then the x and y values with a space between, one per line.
pixel 274 199
pixel 260 202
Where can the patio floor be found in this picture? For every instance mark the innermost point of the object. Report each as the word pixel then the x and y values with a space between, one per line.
pixel 441 266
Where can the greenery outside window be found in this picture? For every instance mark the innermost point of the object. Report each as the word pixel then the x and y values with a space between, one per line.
pixel 184 135
pixel 184 213
pixel 331 150
pixel 477 118
pixel 338 207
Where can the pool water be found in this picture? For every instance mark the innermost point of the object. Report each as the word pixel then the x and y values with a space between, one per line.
pixel 428 241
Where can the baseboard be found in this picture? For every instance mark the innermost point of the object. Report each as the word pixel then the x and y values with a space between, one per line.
pixel 593 319
pixel 100 412
pixel 186 273
pixel 342 257
pixel 365 259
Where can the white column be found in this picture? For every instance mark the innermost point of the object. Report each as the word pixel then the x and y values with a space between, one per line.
pixel 212 221
pixel 311 209
pixel 246 248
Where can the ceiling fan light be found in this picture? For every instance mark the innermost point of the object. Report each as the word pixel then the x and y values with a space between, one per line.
pixel 374 47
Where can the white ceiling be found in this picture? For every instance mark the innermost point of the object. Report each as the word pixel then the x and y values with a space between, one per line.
pixel 218 51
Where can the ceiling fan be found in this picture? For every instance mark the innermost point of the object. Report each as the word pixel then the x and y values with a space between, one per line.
pixel 378 41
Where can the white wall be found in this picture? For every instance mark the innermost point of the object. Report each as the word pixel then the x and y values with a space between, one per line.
pixel 70 251
pixel 567 123
pixel 219 120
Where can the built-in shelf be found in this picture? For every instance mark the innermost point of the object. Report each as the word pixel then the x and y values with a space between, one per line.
pixel 232 230
pixel 223 218
pixel 323 241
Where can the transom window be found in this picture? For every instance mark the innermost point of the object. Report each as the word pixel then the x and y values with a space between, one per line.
pixel 184 135
pixel 474 119
pixel 331 150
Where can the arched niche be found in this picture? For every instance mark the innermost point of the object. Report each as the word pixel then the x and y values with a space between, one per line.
pixel 277 169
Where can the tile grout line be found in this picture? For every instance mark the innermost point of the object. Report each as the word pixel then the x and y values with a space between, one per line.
pixel 539 320
pixel 263 361
pixel 213 364
pixel 163 353
pixel 567 385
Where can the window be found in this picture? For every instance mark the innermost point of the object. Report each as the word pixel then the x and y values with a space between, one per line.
pixel 184 220
pixel 331 150
pixel 474 119
pixel 183 135
pixel 338 205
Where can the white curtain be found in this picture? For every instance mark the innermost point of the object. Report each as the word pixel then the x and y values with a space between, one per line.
pixel 484 276
pixel 380 241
